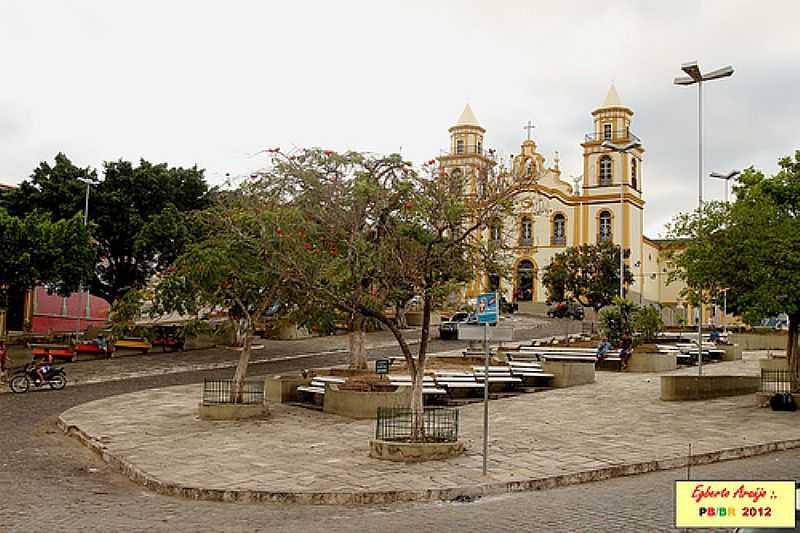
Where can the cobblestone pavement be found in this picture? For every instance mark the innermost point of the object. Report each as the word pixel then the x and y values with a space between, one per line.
pixel 617 421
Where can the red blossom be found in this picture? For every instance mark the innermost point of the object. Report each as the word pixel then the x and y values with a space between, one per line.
pixel 308 246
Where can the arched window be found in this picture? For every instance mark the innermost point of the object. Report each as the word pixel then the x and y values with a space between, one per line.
pixel 495 232
pixel 605 170
pixel 460 146
pixel 526 232
pixel 604 234
pixel 559 230
pixel 634 168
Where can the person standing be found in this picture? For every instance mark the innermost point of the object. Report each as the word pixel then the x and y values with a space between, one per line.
pixel 3 362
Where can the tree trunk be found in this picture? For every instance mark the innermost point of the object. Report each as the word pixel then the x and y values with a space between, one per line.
pixel 792 353
pixel 417 406
pixel 241 369
pixel 357 339
pixel 400 316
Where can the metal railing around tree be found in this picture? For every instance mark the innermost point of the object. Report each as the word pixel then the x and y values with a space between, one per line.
pixel 219 391
pixel 779 380
pixel 438 424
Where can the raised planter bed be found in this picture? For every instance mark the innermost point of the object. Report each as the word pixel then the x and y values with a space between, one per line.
pixel 686 388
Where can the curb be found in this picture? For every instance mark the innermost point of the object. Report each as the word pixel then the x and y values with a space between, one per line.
pixel 427 495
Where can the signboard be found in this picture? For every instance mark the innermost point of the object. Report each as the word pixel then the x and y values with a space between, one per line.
pixel 382 366
pixel 488 311
pixel 728 504
pixel 475 333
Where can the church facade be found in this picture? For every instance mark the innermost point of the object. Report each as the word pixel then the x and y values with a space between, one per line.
pixel 552 214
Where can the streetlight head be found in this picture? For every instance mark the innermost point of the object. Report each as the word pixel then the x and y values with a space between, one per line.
pixel 723 72
pixel 730 175
pixel 692 70
pixel 683 80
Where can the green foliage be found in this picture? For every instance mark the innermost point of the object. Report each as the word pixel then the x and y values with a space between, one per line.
pixel 34 250
pixel 647 322
pixel 138 213
pixel 588 273
pixel 629 318
pixel 751 246
pixel 617 320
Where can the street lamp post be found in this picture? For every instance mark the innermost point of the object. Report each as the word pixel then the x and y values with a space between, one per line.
pixel 622 149
pixel 695 76
pixel 727 177
pixel 85 223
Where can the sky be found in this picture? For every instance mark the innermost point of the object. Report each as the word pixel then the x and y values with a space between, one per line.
pixel 215 83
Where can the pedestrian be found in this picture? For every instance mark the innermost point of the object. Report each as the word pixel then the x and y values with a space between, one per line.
pixel 3 362
pixel 625 349
pixel 602 350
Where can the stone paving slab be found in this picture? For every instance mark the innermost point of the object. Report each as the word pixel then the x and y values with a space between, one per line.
pixel 617 426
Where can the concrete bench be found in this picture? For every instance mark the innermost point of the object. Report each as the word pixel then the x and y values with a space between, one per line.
pixel 317 385
pixel 428 384
pixel 497 374
pixel 524 369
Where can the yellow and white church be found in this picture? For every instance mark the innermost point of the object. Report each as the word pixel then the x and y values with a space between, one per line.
pixel 551 214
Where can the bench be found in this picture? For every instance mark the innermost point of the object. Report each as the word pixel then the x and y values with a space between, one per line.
pixel 317 385
pixel 499 377
pixel 56 351
pixel 525 369
pixel 428 383
pixel 456 380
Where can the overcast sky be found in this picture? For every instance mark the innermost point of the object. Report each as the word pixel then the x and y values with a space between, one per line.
pixel 212 83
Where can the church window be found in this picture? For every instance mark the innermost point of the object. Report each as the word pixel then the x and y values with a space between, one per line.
pixel 605 227
pixel 460 146
pixel 606 132
pixel 526 232
pixel 633 174
pixel 495 231
pixel 559 230
pixel 480 147
pixel 605 171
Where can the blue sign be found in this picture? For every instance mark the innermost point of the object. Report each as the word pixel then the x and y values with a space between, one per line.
pixel 488 308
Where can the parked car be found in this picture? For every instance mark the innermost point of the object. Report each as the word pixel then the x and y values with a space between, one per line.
pixel 449 328
pixel 566 309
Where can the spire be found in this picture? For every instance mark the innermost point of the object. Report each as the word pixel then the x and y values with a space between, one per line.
pixel 612 98
pixel 467 118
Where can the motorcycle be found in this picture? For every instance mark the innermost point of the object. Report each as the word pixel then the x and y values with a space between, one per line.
pixel 25 378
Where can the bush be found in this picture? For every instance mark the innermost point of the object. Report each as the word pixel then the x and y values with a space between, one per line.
pixel 615 325
pixel 644 320
pixel 647 321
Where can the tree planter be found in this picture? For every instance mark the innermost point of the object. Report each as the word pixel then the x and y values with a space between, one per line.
pixel 395 427
pixel 358 404
pixel 414 452
pixel 218 404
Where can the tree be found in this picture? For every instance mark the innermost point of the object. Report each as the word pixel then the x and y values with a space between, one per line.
pixel 139 214
pixel 37 251
pixel 751 246
pixel 390 228
pixel 589 273
pixel 234 266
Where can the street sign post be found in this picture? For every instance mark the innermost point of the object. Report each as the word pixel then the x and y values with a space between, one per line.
pixel 488 313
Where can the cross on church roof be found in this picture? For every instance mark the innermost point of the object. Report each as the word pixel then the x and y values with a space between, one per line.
pixel 529 127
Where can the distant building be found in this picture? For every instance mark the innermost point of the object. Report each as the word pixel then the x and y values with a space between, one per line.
pixel 605 204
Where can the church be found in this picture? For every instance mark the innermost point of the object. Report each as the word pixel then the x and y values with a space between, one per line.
pixel 605 204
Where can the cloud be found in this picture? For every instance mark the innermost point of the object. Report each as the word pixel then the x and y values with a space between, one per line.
pixel 212 83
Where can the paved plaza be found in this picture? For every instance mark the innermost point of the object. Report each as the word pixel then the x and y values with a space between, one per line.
pixel 614 427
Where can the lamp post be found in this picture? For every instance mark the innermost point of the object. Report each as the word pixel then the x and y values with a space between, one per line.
pixel 695 76
pixel 622 149
pixel 727 177
pixel 85 223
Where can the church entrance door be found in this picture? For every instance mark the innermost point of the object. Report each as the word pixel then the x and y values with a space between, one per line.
pixel 526 289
